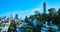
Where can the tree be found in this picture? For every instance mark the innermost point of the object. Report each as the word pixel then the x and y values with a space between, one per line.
pixel 27 29
pixel 37 15
pixel 37 12
pixel 56 18
pixel 44 17
pixel 58 11
pixel 12 27
pixel 17 22
pixel 40 27
pixel 52 14
pixel 0 24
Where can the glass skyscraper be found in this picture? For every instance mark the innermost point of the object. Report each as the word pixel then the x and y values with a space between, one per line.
pixel 16 16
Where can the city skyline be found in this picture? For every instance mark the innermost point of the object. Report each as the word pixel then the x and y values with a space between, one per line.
pixel 25 7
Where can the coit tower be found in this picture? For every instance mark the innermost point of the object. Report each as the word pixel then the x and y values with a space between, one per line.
pixel 44 7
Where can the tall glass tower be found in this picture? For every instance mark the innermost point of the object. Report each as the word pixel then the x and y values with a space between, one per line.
pixel 44 7
pixel 16 16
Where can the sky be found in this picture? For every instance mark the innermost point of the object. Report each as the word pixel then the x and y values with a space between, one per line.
pixel 25 7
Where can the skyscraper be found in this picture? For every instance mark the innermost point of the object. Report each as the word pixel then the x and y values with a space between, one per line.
pixel 11 17
pixel 16 16
pixel 44 7
pixel 0 18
